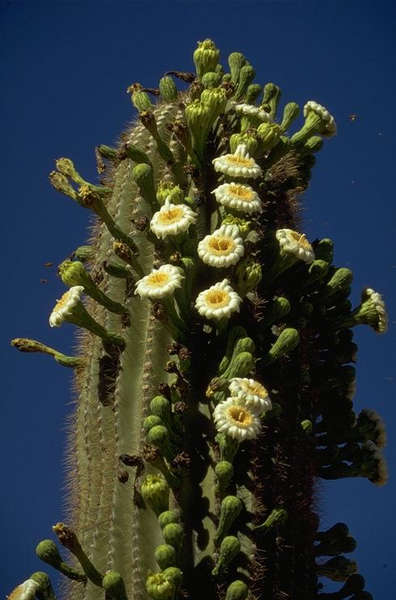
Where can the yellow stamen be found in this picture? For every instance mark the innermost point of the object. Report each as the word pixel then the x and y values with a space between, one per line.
pixel 62 301
pixel 217 298
pixel 255 388
pixel 301 239
pixel 158 279
pixel 221 245
pixel 240 415
pixel 241 192
pixel 172 215
pixel 240 160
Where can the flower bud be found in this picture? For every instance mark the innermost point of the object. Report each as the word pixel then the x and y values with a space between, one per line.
pixel 252 93
pixel 287 341
pixel 338 568
pixel 66 167
pixel 158 436
pixel 249 275
pixel 165 555
pixel 61 184
pixel 25 591
pixel 236 60
pixel 168 89
pixel 324 250
pixel 47 551
pixel 205 57
pixel 173 534
pixel 237 590
pixel 143 175
pixel 290 113
pixel 339 283
pixel 160 587
pixel 45 590
pixel 224 473
pixel 248 139
pixel 230 510
pixel 174 575
pixel 306 426
pixel 269 134
pixel 211 80
pixel 271 97
pixel 141 101
pixel 161 407
pixel 114 586
pixel 277 517
pixel 246 76
pixel 216 100
pixel 84 253
pixel 314 143
pixel 169 516
pixel 151 421
pixel 155 492
pixel 230 547
pixel 169 191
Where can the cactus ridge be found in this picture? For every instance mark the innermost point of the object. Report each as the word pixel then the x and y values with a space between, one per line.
pixel 213 380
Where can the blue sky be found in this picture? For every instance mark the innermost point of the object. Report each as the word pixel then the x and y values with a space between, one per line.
pixel 64 69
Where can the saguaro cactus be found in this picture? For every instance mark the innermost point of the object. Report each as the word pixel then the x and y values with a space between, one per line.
pixel 215 369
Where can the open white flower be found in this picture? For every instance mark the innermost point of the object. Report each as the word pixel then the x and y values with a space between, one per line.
pixel 218 302
pixel 223 248
pixel 251 394
pixel 292 242
pixel 25 591
pixel 64 307
pixel 239 164
pixel 172 219
pixel 373 310
pixel 236 420
pixel 250 110
pixel 240 197
pixel 329 124
pixel 159 283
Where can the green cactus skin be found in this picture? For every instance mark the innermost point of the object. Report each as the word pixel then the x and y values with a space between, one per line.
pixel 224 386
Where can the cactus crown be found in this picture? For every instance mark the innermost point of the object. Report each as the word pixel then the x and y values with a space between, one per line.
pixel 214 369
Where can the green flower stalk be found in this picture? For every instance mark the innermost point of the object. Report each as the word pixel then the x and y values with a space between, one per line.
pixel 215 372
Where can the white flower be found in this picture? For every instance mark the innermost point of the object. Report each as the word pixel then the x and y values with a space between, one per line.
pixel 218 302
pixel 159 283
pixel 172 219
pixel 240 197
pixel 65 305
pixel 330 125
pixel 295 243
pixel 236 420
pixel 25 591
pixel 239 164
pixel 223 248
pixel 251 110
pixel 251 394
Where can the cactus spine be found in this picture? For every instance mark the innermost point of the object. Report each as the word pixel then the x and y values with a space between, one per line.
pixel 214 371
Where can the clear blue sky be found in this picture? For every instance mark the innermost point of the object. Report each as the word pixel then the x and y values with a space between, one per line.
pixel 64 69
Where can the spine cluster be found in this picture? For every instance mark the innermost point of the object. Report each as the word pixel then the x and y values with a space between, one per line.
pixel 216 368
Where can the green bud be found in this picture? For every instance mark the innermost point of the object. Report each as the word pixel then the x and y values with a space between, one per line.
pixel 236 60
pixel 31 346
pixel 228 447
pixel 84 253
pixel 290 113
pixel 168 89
pixel 48 552
pixel 277 517
pixel 277 310
pixel 198 116
pixel 246 76
pixel 216 100
pixel 339 530
pixel 143 175
pixel 151 421
pixel 205 57
pixel 287 341
pixel 252 93
pixel 354 584
pixel 237 590
pixel 230 547
pixel 158 436
pixel 160 587
pixel 236 333
pixel 161 407
pixel 338 568
pixel 173 534
pixel 224 473
pixel 114 586
pixel 165 555
pixel 66 167
pixel 240 366
pixel 324 250
pixel 335 547
pixel 45 591
pixel 168 516
pixel 306 426
pixel 339 283
pixel 174 574
pixel 167 190
pixel 141 101
pixel 73 273
pixel 107 152
pixel 155 492
pixel 242 224
pixel 61 184
pixel 269 134
pixel 249 139
pixel 231 507
pixel 211 80
pixel 314 143
pixel 249 275
pixel 137 155
pixel 317 270
pixel 271 97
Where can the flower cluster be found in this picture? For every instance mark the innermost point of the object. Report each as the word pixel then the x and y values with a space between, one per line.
pixel 239 415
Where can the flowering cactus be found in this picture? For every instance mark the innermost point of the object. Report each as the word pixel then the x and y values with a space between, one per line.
pixel 214 368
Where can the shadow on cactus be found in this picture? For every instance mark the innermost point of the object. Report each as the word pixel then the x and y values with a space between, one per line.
pixel 215 369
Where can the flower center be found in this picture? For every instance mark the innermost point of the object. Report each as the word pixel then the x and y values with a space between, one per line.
pixel 242 192
pixel 255 388
pixel 221 245
pixel 301 239
pixel 236 159
pixel 172 215
pixel 217 298
pixel 158 279
pixel 62 302
pixel 240 415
